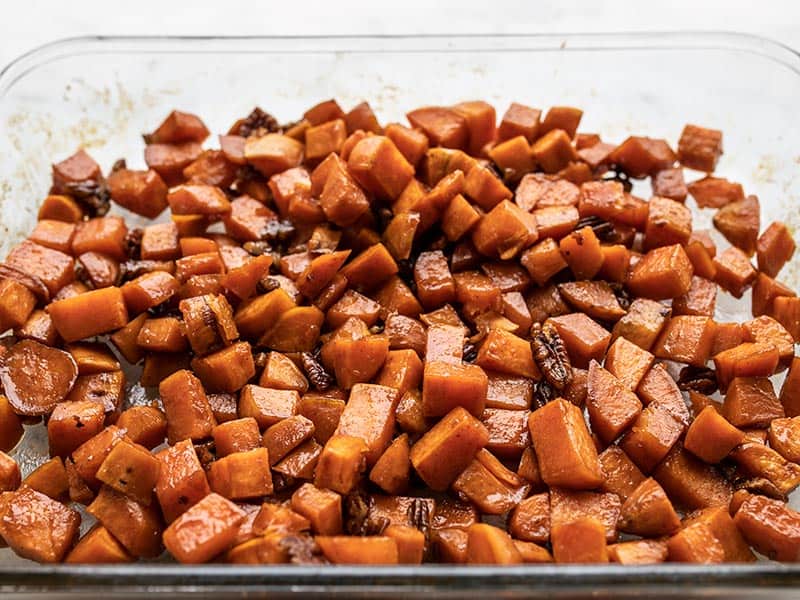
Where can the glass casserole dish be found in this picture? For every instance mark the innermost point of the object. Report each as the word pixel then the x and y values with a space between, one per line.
pixel 103 92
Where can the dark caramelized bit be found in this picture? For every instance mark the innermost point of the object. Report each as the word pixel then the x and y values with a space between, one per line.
pixel 316 373
pixel 358 520
pixel 258 122
pixel 603 229
pixel 697 379
pixel 543 393
pixel 93 196
pixel 550 355
pixel 133 243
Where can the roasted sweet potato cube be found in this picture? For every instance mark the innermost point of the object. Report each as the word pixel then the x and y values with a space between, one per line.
pixel 170 159
pixel 447 386
pixel 181 481
pixel 458 436
pixel 130 469
pixel 612 406
pixel 537 191
pixel 73 423
pixel 628 362
pixel 748 359
pixel 767 330
pixel 664 272
pixel 579 541
pixel 553 151
pixel 699 148
pixel 774 248
pixel 519 120
pixel 39 327
pixel 765 290
pixel 367 550
pixel 10 476
pixel 238 435
pixel 254 317
pixel 755 459
pixel 489 485
pixel 149 290
pixel 669 183
pixel 711 437
pixel 60 208
pixel 530 520
pixel 53 234
pixel 790 391
pixel 324 138
pixel 686 339
pixel 715 192
pixel 734 271
pixel 702 261
pixel 740 223
pixel 435 284
pixel 10 426
pixel 273 153
pixel 484 188
pixel 620 475
pixel 226 370
pixel 668 222
pixel 186 406
pixel 391 471
pixel 402 371
pixel 751 402
pixel 37 527
pixel 412 143
pixel 582 251
pixel 450 544
pixel 638 552
pixel 145 425
pixel 568 506
pixel 240 475
pixel 608 200
pixel 105 235
pixel 505 352
pixel 136 526
pixel 695 543
pixel 690 483
pixel 106 307
pixel 204 531
pixel 301 462
pixel 651 436
pixel 284 436
pixel 324 412
pixel 409 414
pixel 443 126
pixel 770 526
pixel 179 127
pixel 783 438
pixel 405 333
pixel 160 242
pixel 648 511
pixel 508 431
pixel 53 268
pixel 322 508
pixel 296 330
pixel 787 312
pixel 480 118
pixel 513 157
pixel 377 164
pixel 141 192
pixel 369 416
pixel 341 463
pixel 567 456
pixel 98 546
pixel 370 268
pixel 640 156
pixel 699 300
pixel 487 545
pixel 583 338
pixel 505 231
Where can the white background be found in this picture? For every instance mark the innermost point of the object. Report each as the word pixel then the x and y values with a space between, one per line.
pixel 25 24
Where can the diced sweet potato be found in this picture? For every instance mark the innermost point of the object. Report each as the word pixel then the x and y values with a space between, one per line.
pixel 751 402
pixel 377 164
pixel 493 488
pixel 755 459
pixel 487 544
pixel 686 339
pixel 583 338
pixel 651 436
pixel 771 527
pixel 341 463
pixel 89 314
pixel 443 126
pixel 10 426
pixel 136 526
pixel 447 386
pixel 739 222
pixel 37 527
pixel 711 437
pixel 241 475
pixel 691 483
pixel 186 406
pixel 130 469
pixel 391 471
pixel 699 148
pixel 787 312
pixel 367 550
pixel 643 323
pixel 628 362
pixel 98 546
pixel 734 271
pixel 582 251
pixel 181 481
pixel 322 508
pixel 567 456
pixel 669 183
pixel 774 248
pixel 553 151
pixel 664 272
pixel 620 475
pixel 648 511
pixel 612 406
pixel 205 530
pixel 608 200
pixel 783 438
pixel 520 120
pixel 579 541
pixel 638 552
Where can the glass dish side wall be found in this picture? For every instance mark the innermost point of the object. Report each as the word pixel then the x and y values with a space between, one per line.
pixel 102 93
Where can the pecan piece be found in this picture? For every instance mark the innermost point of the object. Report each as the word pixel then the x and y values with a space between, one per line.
pixel 316 373
pixel 357 516
pixel 93 195
pixel 759 485
pixel 542 393
pixel 550 355
pixel 258 122
pixel 133 243
pixel 697 379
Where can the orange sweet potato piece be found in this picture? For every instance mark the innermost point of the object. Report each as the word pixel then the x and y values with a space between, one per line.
pixel 686 339
pixel 594 298
pixel 628 362
pixel 699 148
pixel 141 192
pixel 583 338
pixel 699 300
pixel 322 508
pixel 35 377
pixel 711 437
pixel 493 488
pixel 530 520
pixel 447 386
pixel 620 475
pixel 608 200
pixel 520 120
pixel 487 544
pixel 367 550
pixel 458 436
pixel 405 333
pixel 668 222
pixel 240 475
pixel 341 463
pixel 237 435
pixel 10 426
pixel 740 222
pixel 651 436
pixel 770 526
pixel 774 248
pixel 16 304
pixel 505 352
pixel 612 406
pixel 543 261
pixel 369 415
pixel 98 546
pixel 787 312
pixel 181 481
pixel 702 260
pixel 690 483
pixel 226 370
pixel 443 126
pixel 567 456
pixel 105 235
pixel 377 164
pixel 664 272
pixel 54 234
pixel 640 156
pixel 273 153
pixel 505 231
pixel 391 471
pixel 130 469
pixel 145 425
pixel 648 511
pixel 638 552
pixel 136 526
pixel 10 476
pixel 734 271
pixel 37 527
pixel 89 314
pixel 204 531
pixel 553 151
pixel 508 431
pixel 748 359
pixel 60 208
pixel 643 323
pixel 783 438
pixel 186 406
pixel 412 143
pixel 755 459
pixel 582 251
pixel 751 402
pixel 669 183
pixel 579 541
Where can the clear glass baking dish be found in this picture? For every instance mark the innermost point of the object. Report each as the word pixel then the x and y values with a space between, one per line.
pixel 102 92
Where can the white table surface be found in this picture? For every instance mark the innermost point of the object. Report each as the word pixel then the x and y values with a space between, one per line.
pixel 26 24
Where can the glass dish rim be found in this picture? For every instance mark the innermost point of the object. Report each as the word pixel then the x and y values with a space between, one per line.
pixel 403 577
